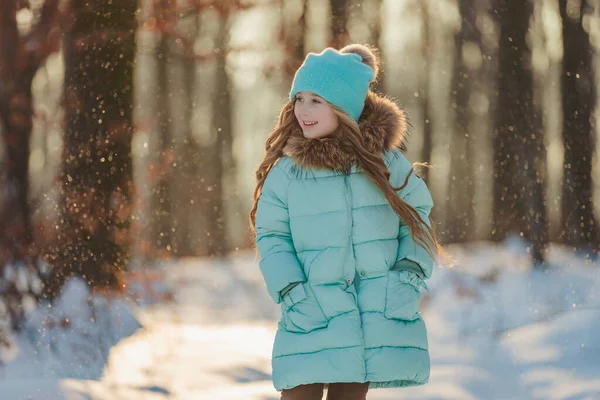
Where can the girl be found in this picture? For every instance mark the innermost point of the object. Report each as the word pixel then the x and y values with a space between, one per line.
pixel 343 232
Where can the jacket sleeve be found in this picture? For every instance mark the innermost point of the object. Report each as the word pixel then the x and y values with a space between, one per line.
pixel 411 255
pixel 279 263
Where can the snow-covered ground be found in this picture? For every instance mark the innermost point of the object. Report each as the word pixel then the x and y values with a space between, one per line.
pixel 497 330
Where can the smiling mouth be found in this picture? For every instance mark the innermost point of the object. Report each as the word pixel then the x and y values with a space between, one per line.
pixel 309 123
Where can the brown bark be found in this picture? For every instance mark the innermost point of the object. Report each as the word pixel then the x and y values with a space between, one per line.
pixel 221 157
pixel 92 239
pixel 292 33
pixel 20 58
pixel 188 185
pixel 161 197
pixel 379 85
pixel 460 184
pixel 339 22
pixel 425 92
pixel 578 101
pixel 519 151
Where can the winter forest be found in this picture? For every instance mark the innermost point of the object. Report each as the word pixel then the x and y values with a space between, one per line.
pixel 130 133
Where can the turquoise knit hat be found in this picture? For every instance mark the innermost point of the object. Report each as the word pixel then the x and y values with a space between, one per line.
pixel 340 78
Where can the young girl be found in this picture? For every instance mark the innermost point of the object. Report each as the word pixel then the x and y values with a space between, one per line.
pixel 343 231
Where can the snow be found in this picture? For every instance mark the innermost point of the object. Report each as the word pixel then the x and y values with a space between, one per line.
pixel 498 329
pixel 61 341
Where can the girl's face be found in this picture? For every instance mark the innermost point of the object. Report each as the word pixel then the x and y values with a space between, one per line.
pixel 315 115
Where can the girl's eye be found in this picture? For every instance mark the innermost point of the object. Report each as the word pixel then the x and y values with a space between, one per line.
pixel 298 98
pixel 316 101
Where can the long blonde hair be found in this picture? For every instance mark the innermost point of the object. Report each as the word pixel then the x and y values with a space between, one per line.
pixel 373 166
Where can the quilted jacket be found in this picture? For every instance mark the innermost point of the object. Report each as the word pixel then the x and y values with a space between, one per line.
pixel 353 315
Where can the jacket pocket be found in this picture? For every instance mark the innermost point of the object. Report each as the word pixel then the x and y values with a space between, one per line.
pixel 302 312
pixel 403 295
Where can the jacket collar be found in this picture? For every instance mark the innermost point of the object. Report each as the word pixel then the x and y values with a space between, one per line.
pixel 382 125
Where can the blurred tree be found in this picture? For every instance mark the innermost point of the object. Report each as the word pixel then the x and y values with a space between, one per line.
pixel 188 184
pixel 339 23
pixel 578 101
pixel 21 55
pixel 519 150
pixel 220 159
pixel 161 222
pixel 467 59
pixel 193 176
pixel 365 25
pixel 292 34
pixel 376 29
pixel 20 58
pixel 92 237
pixel 425 92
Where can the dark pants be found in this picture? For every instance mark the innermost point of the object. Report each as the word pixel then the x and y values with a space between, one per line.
pixel 336 391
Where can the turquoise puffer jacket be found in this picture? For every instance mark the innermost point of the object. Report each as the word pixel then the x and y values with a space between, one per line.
pixel 354 315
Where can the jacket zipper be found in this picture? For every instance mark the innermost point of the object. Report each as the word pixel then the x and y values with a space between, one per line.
pixel 351 245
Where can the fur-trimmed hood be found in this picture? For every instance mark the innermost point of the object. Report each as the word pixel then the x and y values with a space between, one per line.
pixel 382 125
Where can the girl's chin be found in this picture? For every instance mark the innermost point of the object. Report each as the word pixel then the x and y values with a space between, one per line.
pixel 313 135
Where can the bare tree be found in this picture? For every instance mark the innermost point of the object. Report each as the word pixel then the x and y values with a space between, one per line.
pixel 460 184
pixel 376 31
pixel 519 151
pixel 339 23
pixel 92 237
pixel 20 58
pixel 292 33
pixel 220 159
pixel 188 185
pixel 425 92
pixel 161 222
pixel 578 101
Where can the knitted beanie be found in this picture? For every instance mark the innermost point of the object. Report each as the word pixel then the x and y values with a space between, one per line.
pixel 340 77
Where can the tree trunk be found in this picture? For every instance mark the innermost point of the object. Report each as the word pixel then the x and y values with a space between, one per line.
pixel 20 59
pixel 339 23
pixel 460 185
pixel 578 101
pixel 379 85
pixel 161 197
pixel 16 113
pixel 92 238
pixel 16 119
pixel 426 91
pixel 519 151
pixel 188 184
pixel 293 34
pixel 220 158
